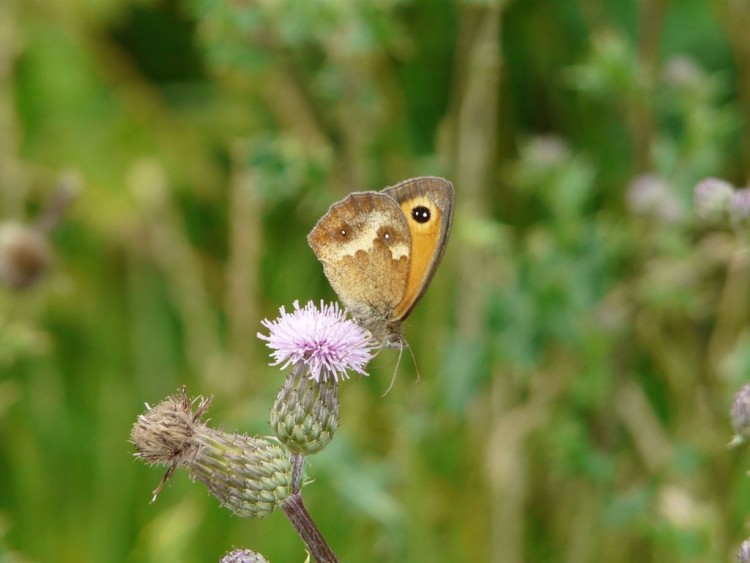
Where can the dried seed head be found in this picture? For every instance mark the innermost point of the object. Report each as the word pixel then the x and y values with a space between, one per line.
pixel 251 476
pixel 25 255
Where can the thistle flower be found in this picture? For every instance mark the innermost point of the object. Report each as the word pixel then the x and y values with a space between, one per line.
pixel 741 416
pixel 250 476
pixel 712 198
pixel 650 196
pixel 243 556
pixel 684 72
pixel 323 340
pixel 743 555
pixel 739 208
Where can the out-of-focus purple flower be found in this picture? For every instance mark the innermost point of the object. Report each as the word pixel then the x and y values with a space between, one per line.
pixel 743 555
pixel 323 339
pixel 683 72
pixel 739 208
pixel 741 416
pixel 712 198
pixel 644 193
pixel 649 195
pixel 243 556
pixel 546 151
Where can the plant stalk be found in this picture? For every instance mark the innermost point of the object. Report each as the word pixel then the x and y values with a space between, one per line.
pixel 302 521
pixel 297 462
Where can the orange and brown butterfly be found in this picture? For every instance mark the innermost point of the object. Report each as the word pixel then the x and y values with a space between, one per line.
pixel 379 250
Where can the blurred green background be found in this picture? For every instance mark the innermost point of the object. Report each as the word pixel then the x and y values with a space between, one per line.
pixel 578 348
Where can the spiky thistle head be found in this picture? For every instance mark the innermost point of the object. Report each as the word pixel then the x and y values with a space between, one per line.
pixel 322 339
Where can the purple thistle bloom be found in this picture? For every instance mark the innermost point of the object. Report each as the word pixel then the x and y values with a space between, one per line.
pixel 739 208
pixel 743 556
pixel 741 416
pixel 649 195
pixel 325 340
pixel 712 198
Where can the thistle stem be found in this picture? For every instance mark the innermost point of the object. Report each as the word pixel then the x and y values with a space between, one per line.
pixel 302 521
pixel 298 461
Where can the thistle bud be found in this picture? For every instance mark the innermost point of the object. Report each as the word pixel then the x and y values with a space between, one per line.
pixel 24 255
pixel 306 412
pixel 243 556
pixel 250 476
pixel 741 416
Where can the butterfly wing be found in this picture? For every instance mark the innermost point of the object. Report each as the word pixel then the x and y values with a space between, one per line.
pixel 427 207
pixel 364 245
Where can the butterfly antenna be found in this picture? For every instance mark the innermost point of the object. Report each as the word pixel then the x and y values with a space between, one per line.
pixel 414 359
pixel 395 370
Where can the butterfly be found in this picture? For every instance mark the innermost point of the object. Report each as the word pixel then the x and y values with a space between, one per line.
pixel 379 250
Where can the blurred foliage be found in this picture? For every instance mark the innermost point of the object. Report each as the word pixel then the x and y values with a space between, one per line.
pixel 578 348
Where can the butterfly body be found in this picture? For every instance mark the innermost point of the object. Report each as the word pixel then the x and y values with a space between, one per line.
pixel 379 250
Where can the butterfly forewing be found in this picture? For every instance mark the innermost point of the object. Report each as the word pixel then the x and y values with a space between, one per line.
pixel 364 245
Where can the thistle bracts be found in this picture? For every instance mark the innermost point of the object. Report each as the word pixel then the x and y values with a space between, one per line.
pixel 250 476
pixel 306 412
